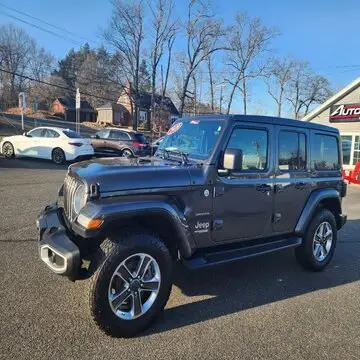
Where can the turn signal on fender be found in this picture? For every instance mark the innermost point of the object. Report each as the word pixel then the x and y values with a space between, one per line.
pixel 88 223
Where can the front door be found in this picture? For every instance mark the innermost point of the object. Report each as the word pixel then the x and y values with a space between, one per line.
pixel 244 198
pixel 292 181
pixel 99 141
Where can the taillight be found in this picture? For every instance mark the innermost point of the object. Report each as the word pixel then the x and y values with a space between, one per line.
pixel 138 144
pixel 76 144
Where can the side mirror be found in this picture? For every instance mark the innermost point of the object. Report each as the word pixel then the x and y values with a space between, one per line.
pixel 26 134
pixel 96 136
pixel 233 159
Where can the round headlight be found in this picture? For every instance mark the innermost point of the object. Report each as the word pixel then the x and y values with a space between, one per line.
pixel 79 199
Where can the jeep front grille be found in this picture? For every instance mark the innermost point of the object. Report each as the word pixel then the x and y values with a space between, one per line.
pixel 70 187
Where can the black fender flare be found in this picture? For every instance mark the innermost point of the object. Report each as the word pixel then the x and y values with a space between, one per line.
pixel 112 211
pixel 311 205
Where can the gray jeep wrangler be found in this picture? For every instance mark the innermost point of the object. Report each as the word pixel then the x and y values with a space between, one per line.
pixel 218 189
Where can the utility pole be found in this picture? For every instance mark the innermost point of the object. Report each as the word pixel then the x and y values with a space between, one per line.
pixel 78 106
pixel 22 106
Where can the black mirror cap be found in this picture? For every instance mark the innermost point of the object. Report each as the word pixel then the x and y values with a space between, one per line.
pixel 233 159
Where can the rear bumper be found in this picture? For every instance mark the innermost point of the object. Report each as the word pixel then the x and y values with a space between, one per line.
pixel 56 248
pixel 341 221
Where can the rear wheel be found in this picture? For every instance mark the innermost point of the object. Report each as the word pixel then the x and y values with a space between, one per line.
pixel 127 153
pixel 58 156
pixel 8 150
pixel 131 284
pixel 319 242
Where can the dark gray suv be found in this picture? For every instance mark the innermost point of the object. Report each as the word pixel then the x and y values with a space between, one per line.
pixel 219 189
pixel 126 143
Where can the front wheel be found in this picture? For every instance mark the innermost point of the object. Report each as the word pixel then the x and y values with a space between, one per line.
pixel 319 242
pixel 131 284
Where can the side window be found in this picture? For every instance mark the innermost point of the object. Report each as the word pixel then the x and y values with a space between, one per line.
pixel 36 132
pixel 254 146
pixel 292 151
pixel 119 135
pixel 48 133
pixel 326 152
pixel 103 134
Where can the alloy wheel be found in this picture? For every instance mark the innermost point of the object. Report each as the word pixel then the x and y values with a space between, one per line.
pixel 134 286
pixel 126 154
pixel 58 156
pixel 322 241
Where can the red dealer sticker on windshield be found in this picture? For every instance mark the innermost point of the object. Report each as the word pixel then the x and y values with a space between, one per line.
pixel 175 128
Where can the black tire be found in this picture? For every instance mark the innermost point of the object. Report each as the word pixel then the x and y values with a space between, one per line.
pixel 111 254
pixel 305 253
pixel 58 156
pixel 8 150
pixel 127 153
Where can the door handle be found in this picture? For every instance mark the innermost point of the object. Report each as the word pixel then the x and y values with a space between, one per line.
pixel 264 188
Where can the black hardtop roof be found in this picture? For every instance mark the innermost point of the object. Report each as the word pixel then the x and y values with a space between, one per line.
pixel 266 120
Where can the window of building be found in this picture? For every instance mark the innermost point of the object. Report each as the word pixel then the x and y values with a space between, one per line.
pixel 292 151
pixel 356 157
pixel 254 146
pixel 143 116
pixel 326 152
pixel 346 143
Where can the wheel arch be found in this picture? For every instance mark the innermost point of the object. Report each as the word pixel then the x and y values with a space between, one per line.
pixel 159 217
pixel 325 198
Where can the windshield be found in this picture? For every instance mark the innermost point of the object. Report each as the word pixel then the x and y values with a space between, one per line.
pixel 196 138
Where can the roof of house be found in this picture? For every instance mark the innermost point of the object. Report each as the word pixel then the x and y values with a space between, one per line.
pixel 70 104
pixel 112 106
pixel 145 102
pixel 331 101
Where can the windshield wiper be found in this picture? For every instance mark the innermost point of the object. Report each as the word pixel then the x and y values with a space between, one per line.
pixel 165 153
pixel 184 155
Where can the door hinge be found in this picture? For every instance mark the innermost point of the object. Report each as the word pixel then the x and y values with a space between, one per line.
pixel 276 217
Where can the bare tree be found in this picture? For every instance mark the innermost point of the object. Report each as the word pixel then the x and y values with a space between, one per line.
pixel 306 89
pixel 249 39
pixel 47 93
pixel 164 28
pixel 210 69
pixel 125 35
pixel 279 77
pixel 203 32
pixel 16 48
pixel 170 44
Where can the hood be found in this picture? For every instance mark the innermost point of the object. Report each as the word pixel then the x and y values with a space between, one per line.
pixel 116 174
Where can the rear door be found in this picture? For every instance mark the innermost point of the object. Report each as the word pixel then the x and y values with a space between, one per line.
pixel 48 141
pixel 119 140
pixel 292 179
pixel 244 198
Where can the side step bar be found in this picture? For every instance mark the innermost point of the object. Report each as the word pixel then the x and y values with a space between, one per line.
pixel 225 256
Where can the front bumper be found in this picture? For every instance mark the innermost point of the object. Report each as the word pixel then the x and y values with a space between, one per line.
pixel 56 248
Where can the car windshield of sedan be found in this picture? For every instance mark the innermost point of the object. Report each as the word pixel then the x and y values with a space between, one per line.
pixel 196 138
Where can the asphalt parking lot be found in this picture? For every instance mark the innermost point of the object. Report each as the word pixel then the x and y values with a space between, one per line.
pixel 264 308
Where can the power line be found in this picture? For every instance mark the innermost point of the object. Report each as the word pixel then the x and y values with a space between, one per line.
pixel 54 85
pixel 41 28
pixel 45 22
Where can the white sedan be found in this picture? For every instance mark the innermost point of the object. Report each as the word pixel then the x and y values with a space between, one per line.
pixel 56 144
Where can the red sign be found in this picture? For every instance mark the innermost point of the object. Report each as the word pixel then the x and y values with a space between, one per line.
pixel 345 113
pixel 175 128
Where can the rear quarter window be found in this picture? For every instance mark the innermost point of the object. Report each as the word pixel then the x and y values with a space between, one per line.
pixel 325 153
pixel 72 134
